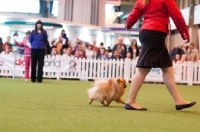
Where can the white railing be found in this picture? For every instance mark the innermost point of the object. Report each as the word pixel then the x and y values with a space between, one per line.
pixel 84 69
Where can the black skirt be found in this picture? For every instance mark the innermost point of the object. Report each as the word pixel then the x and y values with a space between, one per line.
pixel 154 53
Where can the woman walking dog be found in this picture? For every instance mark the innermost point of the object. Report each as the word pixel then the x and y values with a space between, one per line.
pixel 154 52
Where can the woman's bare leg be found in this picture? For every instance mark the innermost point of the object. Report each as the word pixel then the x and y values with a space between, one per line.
pixel 136 83
pixel 169 81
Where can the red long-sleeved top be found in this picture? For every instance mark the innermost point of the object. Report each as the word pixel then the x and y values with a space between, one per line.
pixel 156 16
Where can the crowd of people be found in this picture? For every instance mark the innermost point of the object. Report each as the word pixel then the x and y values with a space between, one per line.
pixel 183 53
pixel 62 46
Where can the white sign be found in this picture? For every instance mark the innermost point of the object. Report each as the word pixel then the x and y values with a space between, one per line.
pixel 155 75
pixel 7 62
pixel 50 65
pixel 114 2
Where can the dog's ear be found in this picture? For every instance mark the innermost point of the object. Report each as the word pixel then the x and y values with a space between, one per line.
pixel 118 80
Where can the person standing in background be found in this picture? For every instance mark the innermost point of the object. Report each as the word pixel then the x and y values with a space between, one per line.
pixel 89 52
pixel 192 50
pixel 133 49
pixel 27 53
pixel 48 48
pixel 1 45
pixel 121 47
pixel 6 52
pixel 109 49
pixel 59 43
pixel 64 35
pixel 8 44
pixel 95 48
pixel 38 40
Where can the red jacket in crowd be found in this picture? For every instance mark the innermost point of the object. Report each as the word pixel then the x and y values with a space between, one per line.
pixel 156 16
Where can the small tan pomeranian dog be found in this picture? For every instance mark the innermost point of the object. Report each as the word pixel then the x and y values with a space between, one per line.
pixel 107 91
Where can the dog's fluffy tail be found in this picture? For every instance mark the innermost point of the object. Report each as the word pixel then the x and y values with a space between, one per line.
pixel 100 82
pixel 92 92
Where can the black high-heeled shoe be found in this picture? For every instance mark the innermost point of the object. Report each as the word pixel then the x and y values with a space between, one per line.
pixel 180 107
pixel 129 107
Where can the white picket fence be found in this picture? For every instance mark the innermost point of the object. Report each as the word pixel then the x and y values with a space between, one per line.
pixel 185 73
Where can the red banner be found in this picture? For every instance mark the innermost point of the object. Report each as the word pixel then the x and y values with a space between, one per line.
pixel 114 2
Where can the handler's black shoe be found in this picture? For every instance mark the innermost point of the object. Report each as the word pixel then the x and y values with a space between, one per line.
pixel 180 107
pixel 129 107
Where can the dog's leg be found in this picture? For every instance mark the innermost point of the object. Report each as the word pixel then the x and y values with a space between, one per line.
pixel 108 102
pixel 102 102
pixel 120 101
pixel 90 101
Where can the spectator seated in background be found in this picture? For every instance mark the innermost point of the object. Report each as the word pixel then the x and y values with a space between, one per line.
pixel 177 58
pixel 78 47
pixel 58 44
pixel 76 54
pixel 116 55
pixel 101 50
pixel 53 53
pixel 183 58
pixel 177 50
pixel 128 55
pixel 89 52
pixel 121 48
pixel 109 49
pixel 6 52
pixel 192 49
pixel 105 55
pixel 7 44
pixel 67 53
pixel 193 57
pixel 80 54
pixel 101 53
pixel 189 57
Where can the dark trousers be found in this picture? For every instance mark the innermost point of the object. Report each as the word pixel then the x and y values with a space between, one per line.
pixel 37 58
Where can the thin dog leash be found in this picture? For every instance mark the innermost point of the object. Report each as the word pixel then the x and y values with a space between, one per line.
pixel 129 32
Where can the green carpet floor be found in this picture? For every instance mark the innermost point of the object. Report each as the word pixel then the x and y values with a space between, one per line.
pixel 62 106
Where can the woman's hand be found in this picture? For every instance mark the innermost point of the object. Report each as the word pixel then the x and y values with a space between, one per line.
pixel 187 40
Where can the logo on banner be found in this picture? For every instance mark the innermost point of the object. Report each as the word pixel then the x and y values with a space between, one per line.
pixel 155 70
pixel 20 62
pixel 1 61
pixel 53 63
pixel 72 65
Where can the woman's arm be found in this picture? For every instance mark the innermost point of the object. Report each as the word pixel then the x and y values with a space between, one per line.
pixel 63 41
pixel 20 44
pixel 55 42
pixel 31 37
pixel 177 17
pixel 45 38
pixel 133 16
